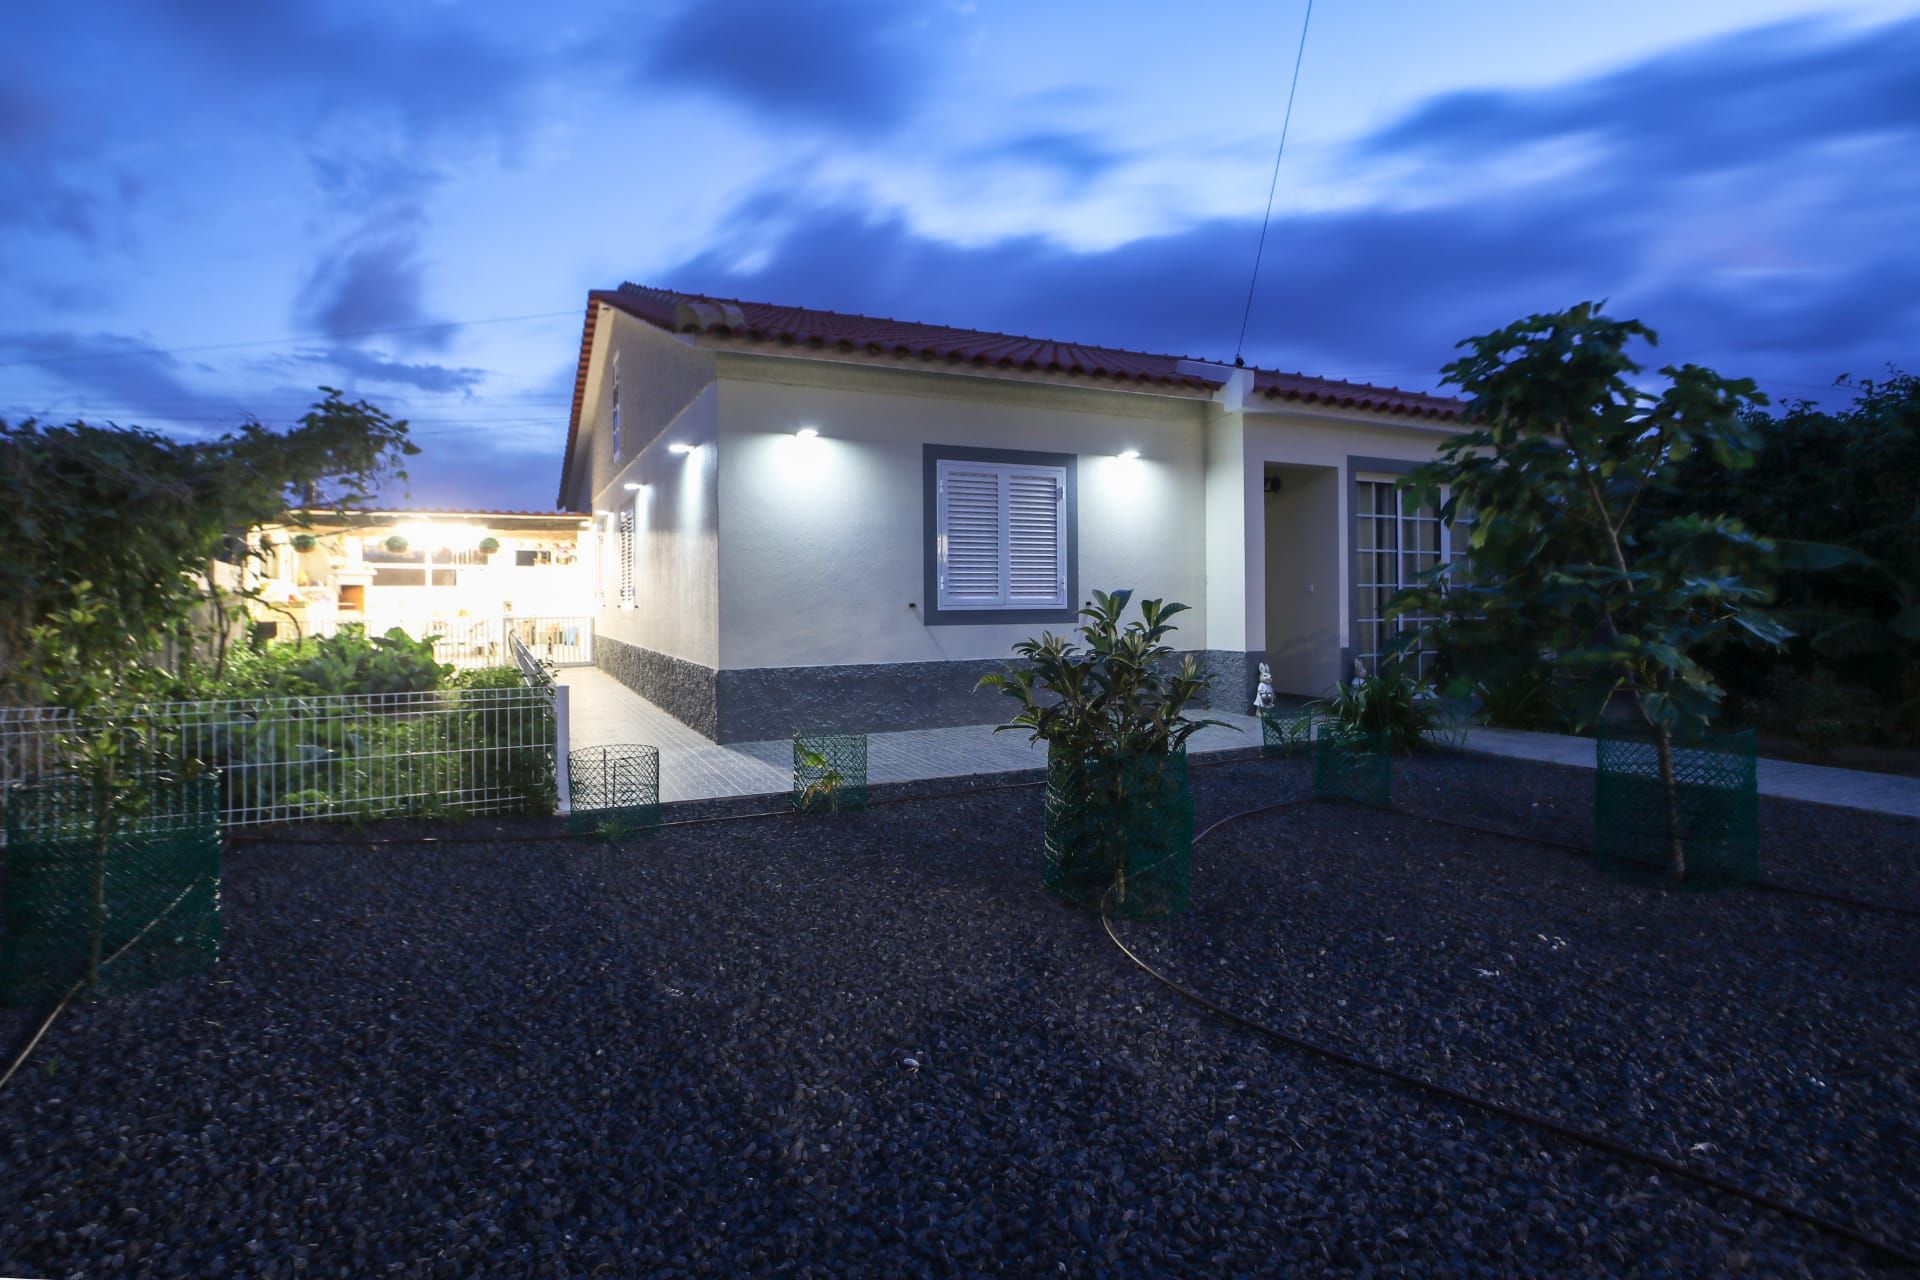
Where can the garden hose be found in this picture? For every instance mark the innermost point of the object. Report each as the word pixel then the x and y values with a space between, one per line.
pixel 1831 1226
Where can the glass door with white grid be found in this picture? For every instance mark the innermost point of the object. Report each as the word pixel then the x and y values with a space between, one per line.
pixel 1396 541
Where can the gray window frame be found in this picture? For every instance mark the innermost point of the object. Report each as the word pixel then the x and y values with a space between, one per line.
pixel 932 455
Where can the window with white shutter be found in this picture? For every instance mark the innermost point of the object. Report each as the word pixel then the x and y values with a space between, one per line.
pixel 1001 533
pixel 624 537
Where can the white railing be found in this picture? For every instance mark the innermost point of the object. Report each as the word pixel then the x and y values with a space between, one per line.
pixel 537 674
pixel 564 641
pixel 443 752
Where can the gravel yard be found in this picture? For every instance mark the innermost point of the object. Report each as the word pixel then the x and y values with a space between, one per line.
pixel 869 1044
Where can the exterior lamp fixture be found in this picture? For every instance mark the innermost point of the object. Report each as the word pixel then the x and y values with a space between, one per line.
pixel 1128 455
pixel 807 433
pixel 632 486
pixel 680 446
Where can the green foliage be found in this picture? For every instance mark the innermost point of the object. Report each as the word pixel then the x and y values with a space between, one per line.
pixel 1815 709
pixel 1523 694
pixel 1841 491
pixel 1389 704
pixel 1120 695
pixel 489 545
pixel 396 544
pixel 134 521
pixel 304 542
pixel 821 790
pixel 1567 470
pixel 349 662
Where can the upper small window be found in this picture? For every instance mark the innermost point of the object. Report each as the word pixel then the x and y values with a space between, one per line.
pixel 614 435
pixel 1001 530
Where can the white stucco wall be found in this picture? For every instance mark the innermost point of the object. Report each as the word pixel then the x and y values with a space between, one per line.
pixel 1316 439
pixel 667 396
pixel 823 541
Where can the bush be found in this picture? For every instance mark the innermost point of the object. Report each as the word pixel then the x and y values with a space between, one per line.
pixel 1121 695
pixel 350 662
pixel 1814 708
pixel 1113 716
pixel 1390 703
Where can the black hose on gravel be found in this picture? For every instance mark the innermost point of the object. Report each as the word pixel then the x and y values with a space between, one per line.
pixel 1831 1226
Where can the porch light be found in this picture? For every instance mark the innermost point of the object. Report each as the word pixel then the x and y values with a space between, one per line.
pixel 633 486
pixel 681 446
pixel 807 433
pixel 1128 455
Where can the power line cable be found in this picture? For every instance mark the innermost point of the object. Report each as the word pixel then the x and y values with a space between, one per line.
pixel 1274 185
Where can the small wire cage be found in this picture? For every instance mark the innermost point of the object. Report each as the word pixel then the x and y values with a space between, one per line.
pixel 829 772
pixel 1119 833
pixel 1351 766
pixel 1715 813
pixel 112 915
pixel 1283 734
pixel 615 789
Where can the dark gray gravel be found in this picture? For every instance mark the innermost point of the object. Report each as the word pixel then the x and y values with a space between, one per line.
pixel 870 1045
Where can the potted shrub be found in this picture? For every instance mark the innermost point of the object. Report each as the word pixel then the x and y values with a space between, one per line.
pixel 397 545
pixel 1111 708
pixel 489 545
pixel 304 542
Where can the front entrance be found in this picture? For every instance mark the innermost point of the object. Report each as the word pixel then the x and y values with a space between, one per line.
pixel 1303 578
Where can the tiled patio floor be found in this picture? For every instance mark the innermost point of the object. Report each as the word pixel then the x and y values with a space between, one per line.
pixel 603 712
pixel 692 767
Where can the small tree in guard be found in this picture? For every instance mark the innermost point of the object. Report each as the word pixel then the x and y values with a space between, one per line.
pixel 616 790
pixel 1119 814
pixel 1285 733
pixel 1714 800
pixel 109 894
pixel 829 772
pixel 1353 766
pixel 1566 475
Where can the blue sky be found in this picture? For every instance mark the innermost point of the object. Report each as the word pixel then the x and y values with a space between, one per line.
pixel 210 207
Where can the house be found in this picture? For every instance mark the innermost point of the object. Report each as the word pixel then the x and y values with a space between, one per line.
pixel 808 519
pixel 462 577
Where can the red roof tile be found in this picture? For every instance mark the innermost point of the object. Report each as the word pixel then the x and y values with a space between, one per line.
pixel 758 322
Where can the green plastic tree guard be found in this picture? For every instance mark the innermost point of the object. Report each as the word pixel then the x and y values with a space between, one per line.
pixel 136 910
pixel 1352 767
pixel 615 790
pixel 1119 833
pixel 1716 807
pixel 829 772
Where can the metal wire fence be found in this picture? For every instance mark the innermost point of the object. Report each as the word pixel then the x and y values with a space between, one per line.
pixel 447 751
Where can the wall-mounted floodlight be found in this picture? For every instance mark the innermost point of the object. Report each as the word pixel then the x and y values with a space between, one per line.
pixel 807 433
pixel 632 486
pixel 681 446
pixel 1128 455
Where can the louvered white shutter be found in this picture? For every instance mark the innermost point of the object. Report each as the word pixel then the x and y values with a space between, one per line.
pixel 970 522
pixel 1036 538
pixel 1002 536
pixel 624 533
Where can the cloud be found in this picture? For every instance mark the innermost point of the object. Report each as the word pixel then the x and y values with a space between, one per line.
pixel 370 366
pixel 425 67
pixel 374 284
pixel 1077 156
pixel 1750 98
pixel 850 66
pixel 117 376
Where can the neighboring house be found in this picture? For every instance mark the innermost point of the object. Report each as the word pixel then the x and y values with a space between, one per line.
pixel 808 519
pixel 459 576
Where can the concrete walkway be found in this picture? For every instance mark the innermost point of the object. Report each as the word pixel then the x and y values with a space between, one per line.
pixel 1788 779
pixel 605 712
